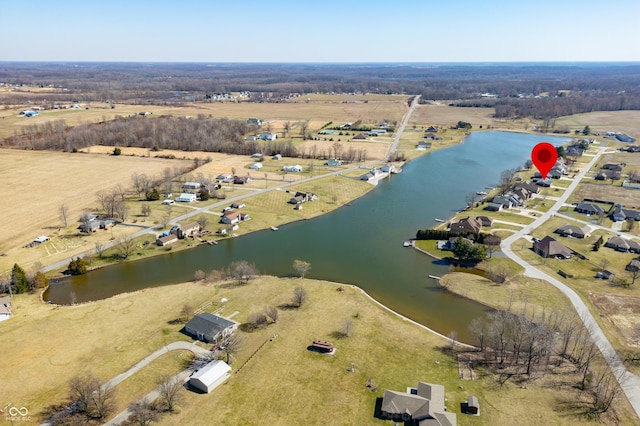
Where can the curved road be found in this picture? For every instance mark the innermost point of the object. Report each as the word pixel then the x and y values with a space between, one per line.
pixel 630 383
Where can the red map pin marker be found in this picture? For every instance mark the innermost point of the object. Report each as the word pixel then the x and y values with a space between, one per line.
pixel 544 156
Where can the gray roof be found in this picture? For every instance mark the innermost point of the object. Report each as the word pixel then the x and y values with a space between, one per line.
pixel 426 405
pixel 208 324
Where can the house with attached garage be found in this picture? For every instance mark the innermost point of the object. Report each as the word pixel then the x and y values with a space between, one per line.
pixel 568 230
pixel 468 224
pixel 167 240
pixel 188 230
pixel 623 245
pixel 619 214
pixel 550 248
pixel 209 327
pixel 423 405
pixel 589 208
pixel 231 217
pixel 186 197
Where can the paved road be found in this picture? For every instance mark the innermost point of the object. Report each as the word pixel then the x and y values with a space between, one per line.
pixel 405 120
pixel 182 377
pixel 629 382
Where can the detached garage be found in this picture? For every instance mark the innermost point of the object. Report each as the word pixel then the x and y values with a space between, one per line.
pixel 210 376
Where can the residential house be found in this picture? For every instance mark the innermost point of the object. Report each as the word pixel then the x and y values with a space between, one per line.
pixel 256 166
pixel 468 224
pixel 209 327
pixel 303 197
pixel 605 275
pixel 268 136
pixel 608 174
pixel 633 266
pixel 485 221
pixel 423 145
pixel 90 226
pixel 293 169
pixel 568 230
pixel 332 162
pixel 5 308
pixel 231 217
pixel 241 180
pixel 360 137
pixel 503 200
pixel 546 183
pixel 388 168
pixel 186 197
pixel 622 137
pixel 494 207
pixel 107 224
pixel 238 205
pixel 189 230
pixel 575 150
pixel 549 247
pixel 531 187
pixel 423 405
pixel 210 376
pixel 254 121
pixel 378 132
pixel 589 208
pixel 451 242
pixel 615 167
pixel 430 136
pixel 372 175
pixel 191 186
pixel 619 214
pixel 623 245
pixel 257 155
pixel 277 157
pixel 167 240
pixel 432 129
pixel 522 193
pixel 225 177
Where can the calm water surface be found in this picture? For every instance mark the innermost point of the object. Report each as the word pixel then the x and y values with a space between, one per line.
pixel 359 244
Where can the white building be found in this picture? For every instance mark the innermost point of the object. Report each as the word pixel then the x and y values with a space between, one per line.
pixel 210 376
pixel 5 308
pixel 185 197
pixel 295 168
pixel 191 186
pixel 268 136
pixel 256 166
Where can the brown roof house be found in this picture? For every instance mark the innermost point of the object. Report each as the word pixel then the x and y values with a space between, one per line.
pixel 466 224
pixel 549 247
pixel 485 220
pixel 568 230
pixel 623 245
pixel 188 230
pixel 422 406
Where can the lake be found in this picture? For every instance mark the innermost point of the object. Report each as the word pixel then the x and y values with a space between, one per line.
pixel 359 244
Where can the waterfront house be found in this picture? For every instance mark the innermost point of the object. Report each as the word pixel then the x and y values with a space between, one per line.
pixel 231 217
pixel 468 224
pixel 423 405
pixel 189 230
pixel 209 327
pixel 493 207
pixel 166 240
pixel 422 145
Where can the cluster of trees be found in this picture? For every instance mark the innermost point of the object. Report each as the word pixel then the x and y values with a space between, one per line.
pixel 467 252
pixel 20 281
pixel 77 266
pixel 522 344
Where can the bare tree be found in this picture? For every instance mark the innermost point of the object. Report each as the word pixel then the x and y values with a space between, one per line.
pixel 232 345
pixel 143 414
pixel 122 210
pixel 470 199
pixel 272 313
pixel 141 183
pixel 187 312
pixel 241 271
pixel 347 327
pixel 100 248
pixel 169 389
pixel 63 210
pixel 125 248
pixel 286 128
pixel 492 242
pixel 304 125
pixel 90 396
pixel 605 391
pixel 301 267
pixel 506 180
pixel 146 210
pixel 202 221
pixel 199 275
pixel 257 320
pixel 299 296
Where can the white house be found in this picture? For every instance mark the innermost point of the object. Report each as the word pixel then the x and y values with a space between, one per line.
pixel 277 157
pixel 5 308
pixel 256 166
pixel 295 168
pixel 268 136
pixel 210 376
pixel 185 197
pixel 225 177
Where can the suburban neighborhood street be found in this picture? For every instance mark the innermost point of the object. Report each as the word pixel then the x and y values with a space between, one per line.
pixel 629 382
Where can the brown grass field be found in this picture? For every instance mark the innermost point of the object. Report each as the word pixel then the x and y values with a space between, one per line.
pixel 440 114
pixel 604 121
pixel 109 336
pixel 47 180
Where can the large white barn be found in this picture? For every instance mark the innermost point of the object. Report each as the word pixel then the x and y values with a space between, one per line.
pixel 210 376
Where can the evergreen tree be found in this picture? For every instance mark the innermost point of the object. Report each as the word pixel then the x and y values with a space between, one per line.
pixel 77 266
pixel 152 195
pixel 586 131
pixel 19 281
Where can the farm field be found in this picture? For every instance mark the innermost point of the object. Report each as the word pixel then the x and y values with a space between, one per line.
pixel 604 121
pixel 142 322
pixel 440 114
pixel 51 179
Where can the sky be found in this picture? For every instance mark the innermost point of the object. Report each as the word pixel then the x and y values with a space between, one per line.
pixel 320 31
